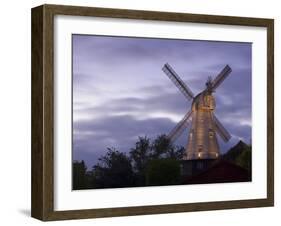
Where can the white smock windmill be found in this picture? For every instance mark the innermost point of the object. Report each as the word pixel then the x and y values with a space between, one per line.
pixel 202 138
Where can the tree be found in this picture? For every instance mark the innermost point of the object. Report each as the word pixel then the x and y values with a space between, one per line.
pixel 234 152
pixel 240 154
pixel 79 179
pixel 145 151
pixel 116 169
pixel 139 156
pixel 245 159
pixel 163 172
pixel 176 152
pixel 163 148
pixel 113 170
pixel 160 146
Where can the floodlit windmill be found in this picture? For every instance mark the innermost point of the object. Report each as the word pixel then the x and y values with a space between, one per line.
pixel 202 139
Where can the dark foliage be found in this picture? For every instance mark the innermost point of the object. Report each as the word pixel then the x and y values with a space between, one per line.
pixel 160 146
pixel 163 172
pixel 117 169
pixel 146 151
pixel 114 170
pixel 149 162
pixel 79 179
pixel 139 156
pixel 235 151
pixel 241 155
pixel 245 159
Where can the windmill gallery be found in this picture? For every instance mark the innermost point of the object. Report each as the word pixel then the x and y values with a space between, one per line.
pixel 126 127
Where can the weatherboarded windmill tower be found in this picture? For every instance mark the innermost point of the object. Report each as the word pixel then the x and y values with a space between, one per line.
pixel 202 138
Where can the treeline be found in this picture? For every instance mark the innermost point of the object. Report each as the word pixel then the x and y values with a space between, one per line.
pixel 149 162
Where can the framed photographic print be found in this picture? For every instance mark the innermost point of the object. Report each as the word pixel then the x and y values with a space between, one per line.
pixel 141 112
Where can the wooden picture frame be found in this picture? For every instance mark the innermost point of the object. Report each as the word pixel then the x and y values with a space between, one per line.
pixel 43 112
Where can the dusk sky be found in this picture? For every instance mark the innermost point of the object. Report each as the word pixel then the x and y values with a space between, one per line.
pixel 120 91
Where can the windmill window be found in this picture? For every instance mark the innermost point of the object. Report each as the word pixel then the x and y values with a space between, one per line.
pixel 211 134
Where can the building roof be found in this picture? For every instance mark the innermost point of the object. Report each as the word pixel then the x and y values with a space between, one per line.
pixel 221 172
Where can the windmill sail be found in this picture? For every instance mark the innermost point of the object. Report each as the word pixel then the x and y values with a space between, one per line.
pixel 221 77
pixel 176 132
pixel 221 130
pixel 178 81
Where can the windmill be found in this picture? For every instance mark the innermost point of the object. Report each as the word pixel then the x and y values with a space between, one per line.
pixel 202 138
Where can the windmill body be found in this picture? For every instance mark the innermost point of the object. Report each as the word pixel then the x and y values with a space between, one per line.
pixel 202 139
pixel 202 142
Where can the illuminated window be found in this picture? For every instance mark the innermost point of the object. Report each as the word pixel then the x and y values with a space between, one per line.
pixel 200 148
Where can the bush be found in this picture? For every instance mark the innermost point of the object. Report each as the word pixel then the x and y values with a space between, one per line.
pixel 163 172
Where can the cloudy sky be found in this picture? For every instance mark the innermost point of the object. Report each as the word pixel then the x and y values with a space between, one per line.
pixel 120 91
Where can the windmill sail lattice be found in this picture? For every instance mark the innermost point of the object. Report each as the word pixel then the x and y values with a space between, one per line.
pixel 221 130
pixel 202 138
pixel 221 77
pixel 173 135
pixel 177 81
